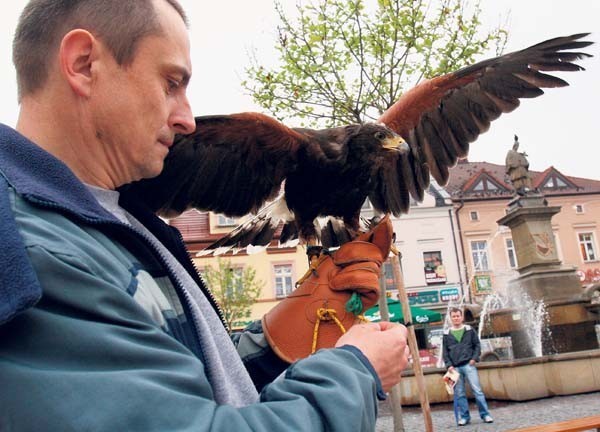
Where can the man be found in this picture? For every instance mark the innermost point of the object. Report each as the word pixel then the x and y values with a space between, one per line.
pixel 104 322
pixel 461 352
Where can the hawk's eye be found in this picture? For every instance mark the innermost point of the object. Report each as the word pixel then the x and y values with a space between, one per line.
pixel 379 135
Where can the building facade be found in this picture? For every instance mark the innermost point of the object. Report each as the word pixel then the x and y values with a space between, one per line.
pixel 431 255
pixel 277 268
pixel 481 192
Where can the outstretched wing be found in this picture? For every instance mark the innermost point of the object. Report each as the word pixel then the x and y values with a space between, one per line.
pixel 231 164
pixel 441 116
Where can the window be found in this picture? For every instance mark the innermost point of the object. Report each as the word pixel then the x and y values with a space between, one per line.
pixel 485 185
pixel 474 216
pixel 225 221
pixel 283 279
pixel 512 256
pixel 434 268
pixel 554 182
pixel 586 244
pixel 579 208
pixel 480 255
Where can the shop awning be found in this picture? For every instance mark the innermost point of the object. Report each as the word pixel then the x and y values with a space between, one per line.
pixel 419 315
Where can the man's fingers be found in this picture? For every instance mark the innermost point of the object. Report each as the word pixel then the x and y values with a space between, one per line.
pixel 394 327
pixel 385 325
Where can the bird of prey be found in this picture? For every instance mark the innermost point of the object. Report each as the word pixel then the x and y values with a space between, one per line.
pixel 235 164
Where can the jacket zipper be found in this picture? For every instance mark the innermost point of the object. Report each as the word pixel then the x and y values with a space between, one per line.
pixel 204 286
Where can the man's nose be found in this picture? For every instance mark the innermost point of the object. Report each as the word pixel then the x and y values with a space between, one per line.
pixel 182 120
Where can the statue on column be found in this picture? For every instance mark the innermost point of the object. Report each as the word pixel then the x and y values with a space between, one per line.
pixel 517 168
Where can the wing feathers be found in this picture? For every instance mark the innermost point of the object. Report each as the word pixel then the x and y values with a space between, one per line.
pixel 231 164
pixel 441 116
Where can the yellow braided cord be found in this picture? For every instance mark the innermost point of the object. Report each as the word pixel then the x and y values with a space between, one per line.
pixel 311 269
pixel 362 318
pixel 324 315
pixel 315 337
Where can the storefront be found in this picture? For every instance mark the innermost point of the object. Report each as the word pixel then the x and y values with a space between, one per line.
pixel 424 321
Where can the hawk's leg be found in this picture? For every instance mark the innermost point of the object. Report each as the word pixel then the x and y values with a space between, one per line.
pixel 353 224
pixel 309 235
pixel 313 250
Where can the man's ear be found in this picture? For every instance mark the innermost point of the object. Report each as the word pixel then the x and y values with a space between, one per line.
pixel 77 51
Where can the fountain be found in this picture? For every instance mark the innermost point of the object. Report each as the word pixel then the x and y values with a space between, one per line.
pixel 544 283
pixel 539 368
pixel 551 321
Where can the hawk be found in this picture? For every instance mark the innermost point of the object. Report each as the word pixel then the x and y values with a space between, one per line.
pixel 235 164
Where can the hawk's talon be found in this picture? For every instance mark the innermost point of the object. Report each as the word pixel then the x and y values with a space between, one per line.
pixel 313 252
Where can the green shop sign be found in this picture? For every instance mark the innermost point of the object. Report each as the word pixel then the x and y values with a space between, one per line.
pixel 423 297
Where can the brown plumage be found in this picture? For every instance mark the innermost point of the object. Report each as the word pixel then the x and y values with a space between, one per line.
pixel 234 164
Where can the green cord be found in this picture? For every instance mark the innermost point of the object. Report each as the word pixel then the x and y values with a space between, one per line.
pixel 354 304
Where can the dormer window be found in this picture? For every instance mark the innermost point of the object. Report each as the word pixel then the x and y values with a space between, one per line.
pixel 485 185
pixel 555 180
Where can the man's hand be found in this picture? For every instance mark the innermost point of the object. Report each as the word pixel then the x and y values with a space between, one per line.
pixel 471 362
pixel 384 344
pixel 451 368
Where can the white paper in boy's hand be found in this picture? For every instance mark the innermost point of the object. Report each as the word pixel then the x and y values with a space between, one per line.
pixel 450 379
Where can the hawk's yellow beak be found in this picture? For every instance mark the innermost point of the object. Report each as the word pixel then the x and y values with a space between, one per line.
pixel 396 143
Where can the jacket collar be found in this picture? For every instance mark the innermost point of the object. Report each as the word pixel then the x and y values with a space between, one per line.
pixel 39 176
pixel 466 326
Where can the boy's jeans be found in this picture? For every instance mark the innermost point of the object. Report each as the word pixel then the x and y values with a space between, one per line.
pixel 461 404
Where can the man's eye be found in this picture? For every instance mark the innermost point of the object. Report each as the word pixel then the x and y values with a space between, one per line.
pixel 172 84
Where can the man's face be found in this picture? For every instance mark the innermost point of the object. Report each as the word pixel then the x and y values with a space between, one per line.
pixel 456 318
pixel 137 109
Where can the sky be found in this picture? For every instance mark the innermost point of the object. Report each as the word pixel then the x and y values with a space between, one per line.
pixel 560 128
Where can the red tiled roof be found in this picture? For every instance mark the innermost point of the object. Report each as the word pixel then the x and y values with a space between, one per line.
pixel 193 225
pixel 465 173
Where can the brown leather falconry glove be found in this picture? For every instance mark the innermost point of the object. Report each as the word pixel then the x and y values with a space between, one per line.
pixel 332 298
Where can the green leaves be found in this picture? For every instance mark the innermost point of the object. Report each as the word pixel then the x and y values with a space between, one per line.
pixel 235 289
pixel 346 61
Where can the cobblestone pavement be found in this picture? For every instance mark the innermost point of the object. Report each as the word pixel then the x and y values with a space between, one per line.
pixel 507 415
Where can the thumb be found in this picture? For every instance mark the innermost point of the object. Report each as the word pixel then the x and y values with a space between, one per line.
pixel 386 325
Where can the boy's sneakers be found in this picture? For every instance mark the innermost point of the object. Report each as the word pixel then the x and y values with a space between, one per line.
pixel 488 419
pixel 462 422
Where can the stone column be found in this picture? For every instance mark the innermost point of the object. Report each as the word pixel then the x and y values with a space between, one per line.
pixel 541 274
pixel 543 277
